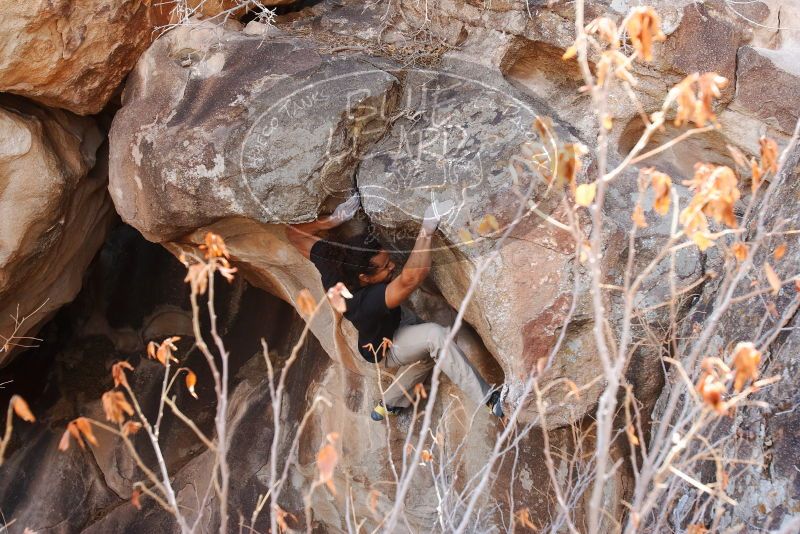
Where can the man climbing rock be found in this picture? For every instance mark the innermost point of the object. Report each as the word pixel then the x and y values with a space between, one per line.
pixel 376 310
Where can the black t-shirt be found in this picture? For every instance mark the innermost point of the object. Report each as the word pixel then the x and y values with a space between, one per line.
pixel 367 309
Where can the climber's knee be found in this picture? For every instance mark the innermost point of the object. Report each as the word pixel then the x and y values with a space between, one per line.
pixel 436 338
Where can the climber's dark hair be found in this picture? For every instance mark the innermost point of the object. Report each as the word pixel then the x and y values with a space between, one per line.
pixel 352 257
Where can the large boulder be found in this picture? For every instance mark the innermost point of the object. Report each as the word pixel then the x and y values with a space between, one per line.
pixel 55 212
pixel 234 133
pixel 73 55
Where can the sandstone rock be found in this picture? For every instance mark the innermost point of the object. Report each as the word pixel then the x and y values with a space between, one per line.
pixel 214 131
pixel 767 86
pixel 73 55
pixel 55 212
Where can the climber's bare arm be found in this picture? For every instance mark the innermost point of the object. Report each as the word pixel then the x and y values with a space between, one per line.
pixel 414 271
pixel 304 235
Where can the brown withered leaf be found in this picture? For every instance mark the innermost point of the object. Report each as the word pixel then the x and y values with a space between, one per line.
pixel 63 443
pixel 523 517
pixel 746 359
pixel 118 373
pixel 739 250
pixel 488 224
pixel 197 277
pixel 71 431
pixel 21 409
pixel 191 381
pixel 644 27
pixel 465 235
pixel 569 162
pixel 712 391
pixel 327 458
pixel 214 246
pixel 85 428
pixel 606 29
pixel 779 252
pixel 662 189
pixel 224 268
pixel 755 172
pixel 772 277
pixel 131 427
pixel 584 194
pixel 769 155
pixel 136 495
pixel 638 217
pixel 426 455
pixel 305 302
pixel 163 351
pixel 419 391
pixel 115 406
pixel 632 438
pixel 694 97
pixel 570 53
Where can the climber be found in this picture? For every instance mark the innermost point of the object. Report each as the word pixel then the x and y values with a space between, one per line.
pixel 376 310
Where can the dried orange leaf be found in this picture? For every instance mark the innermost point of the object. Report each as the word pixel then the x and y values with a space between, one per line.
pixel 644 26
pixel 465 235
pixel 85 428
pixel 772 278
pixel 305 302
pixel 131 427
pixel 632 438
pixel 135 496
pixel 584 194
pixel 327 458
pixel 739 251
pixel 662 189
pixel 63 444
pixel 779 251
pixel 638 217
pixel 191 381
pixel 73 431
pixel 769 155
pixel 523 517
pixel 426 455
pixel 214 246
pixel 419 391
pixel 118 373
pixel 115 406
pixel 488 225
pixel 608 122
pixel 746 359
pixel 570 53
pixel 21 409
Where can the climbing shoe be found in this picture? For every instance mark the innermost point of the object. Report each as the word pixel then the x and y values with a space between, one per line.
pixel 380 411
pixel 495 402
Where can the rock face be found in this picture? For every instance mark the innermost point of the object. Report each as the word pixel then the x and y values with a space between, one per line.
pixel 765 435
pixel 55 211
pixel 89 490
pixel 258 131
pixel 73 55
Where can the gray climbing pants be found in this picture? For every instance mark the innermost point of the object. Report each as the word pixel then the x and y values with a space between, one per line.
pixel 413 352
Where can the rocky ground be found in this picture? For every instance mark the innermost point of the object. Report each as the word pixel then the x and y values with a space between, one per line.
pixel 117 148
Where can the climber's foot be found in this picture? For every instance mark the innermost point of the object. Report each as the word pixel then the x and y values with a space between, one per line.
pixel 495 402
pixel 380 411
